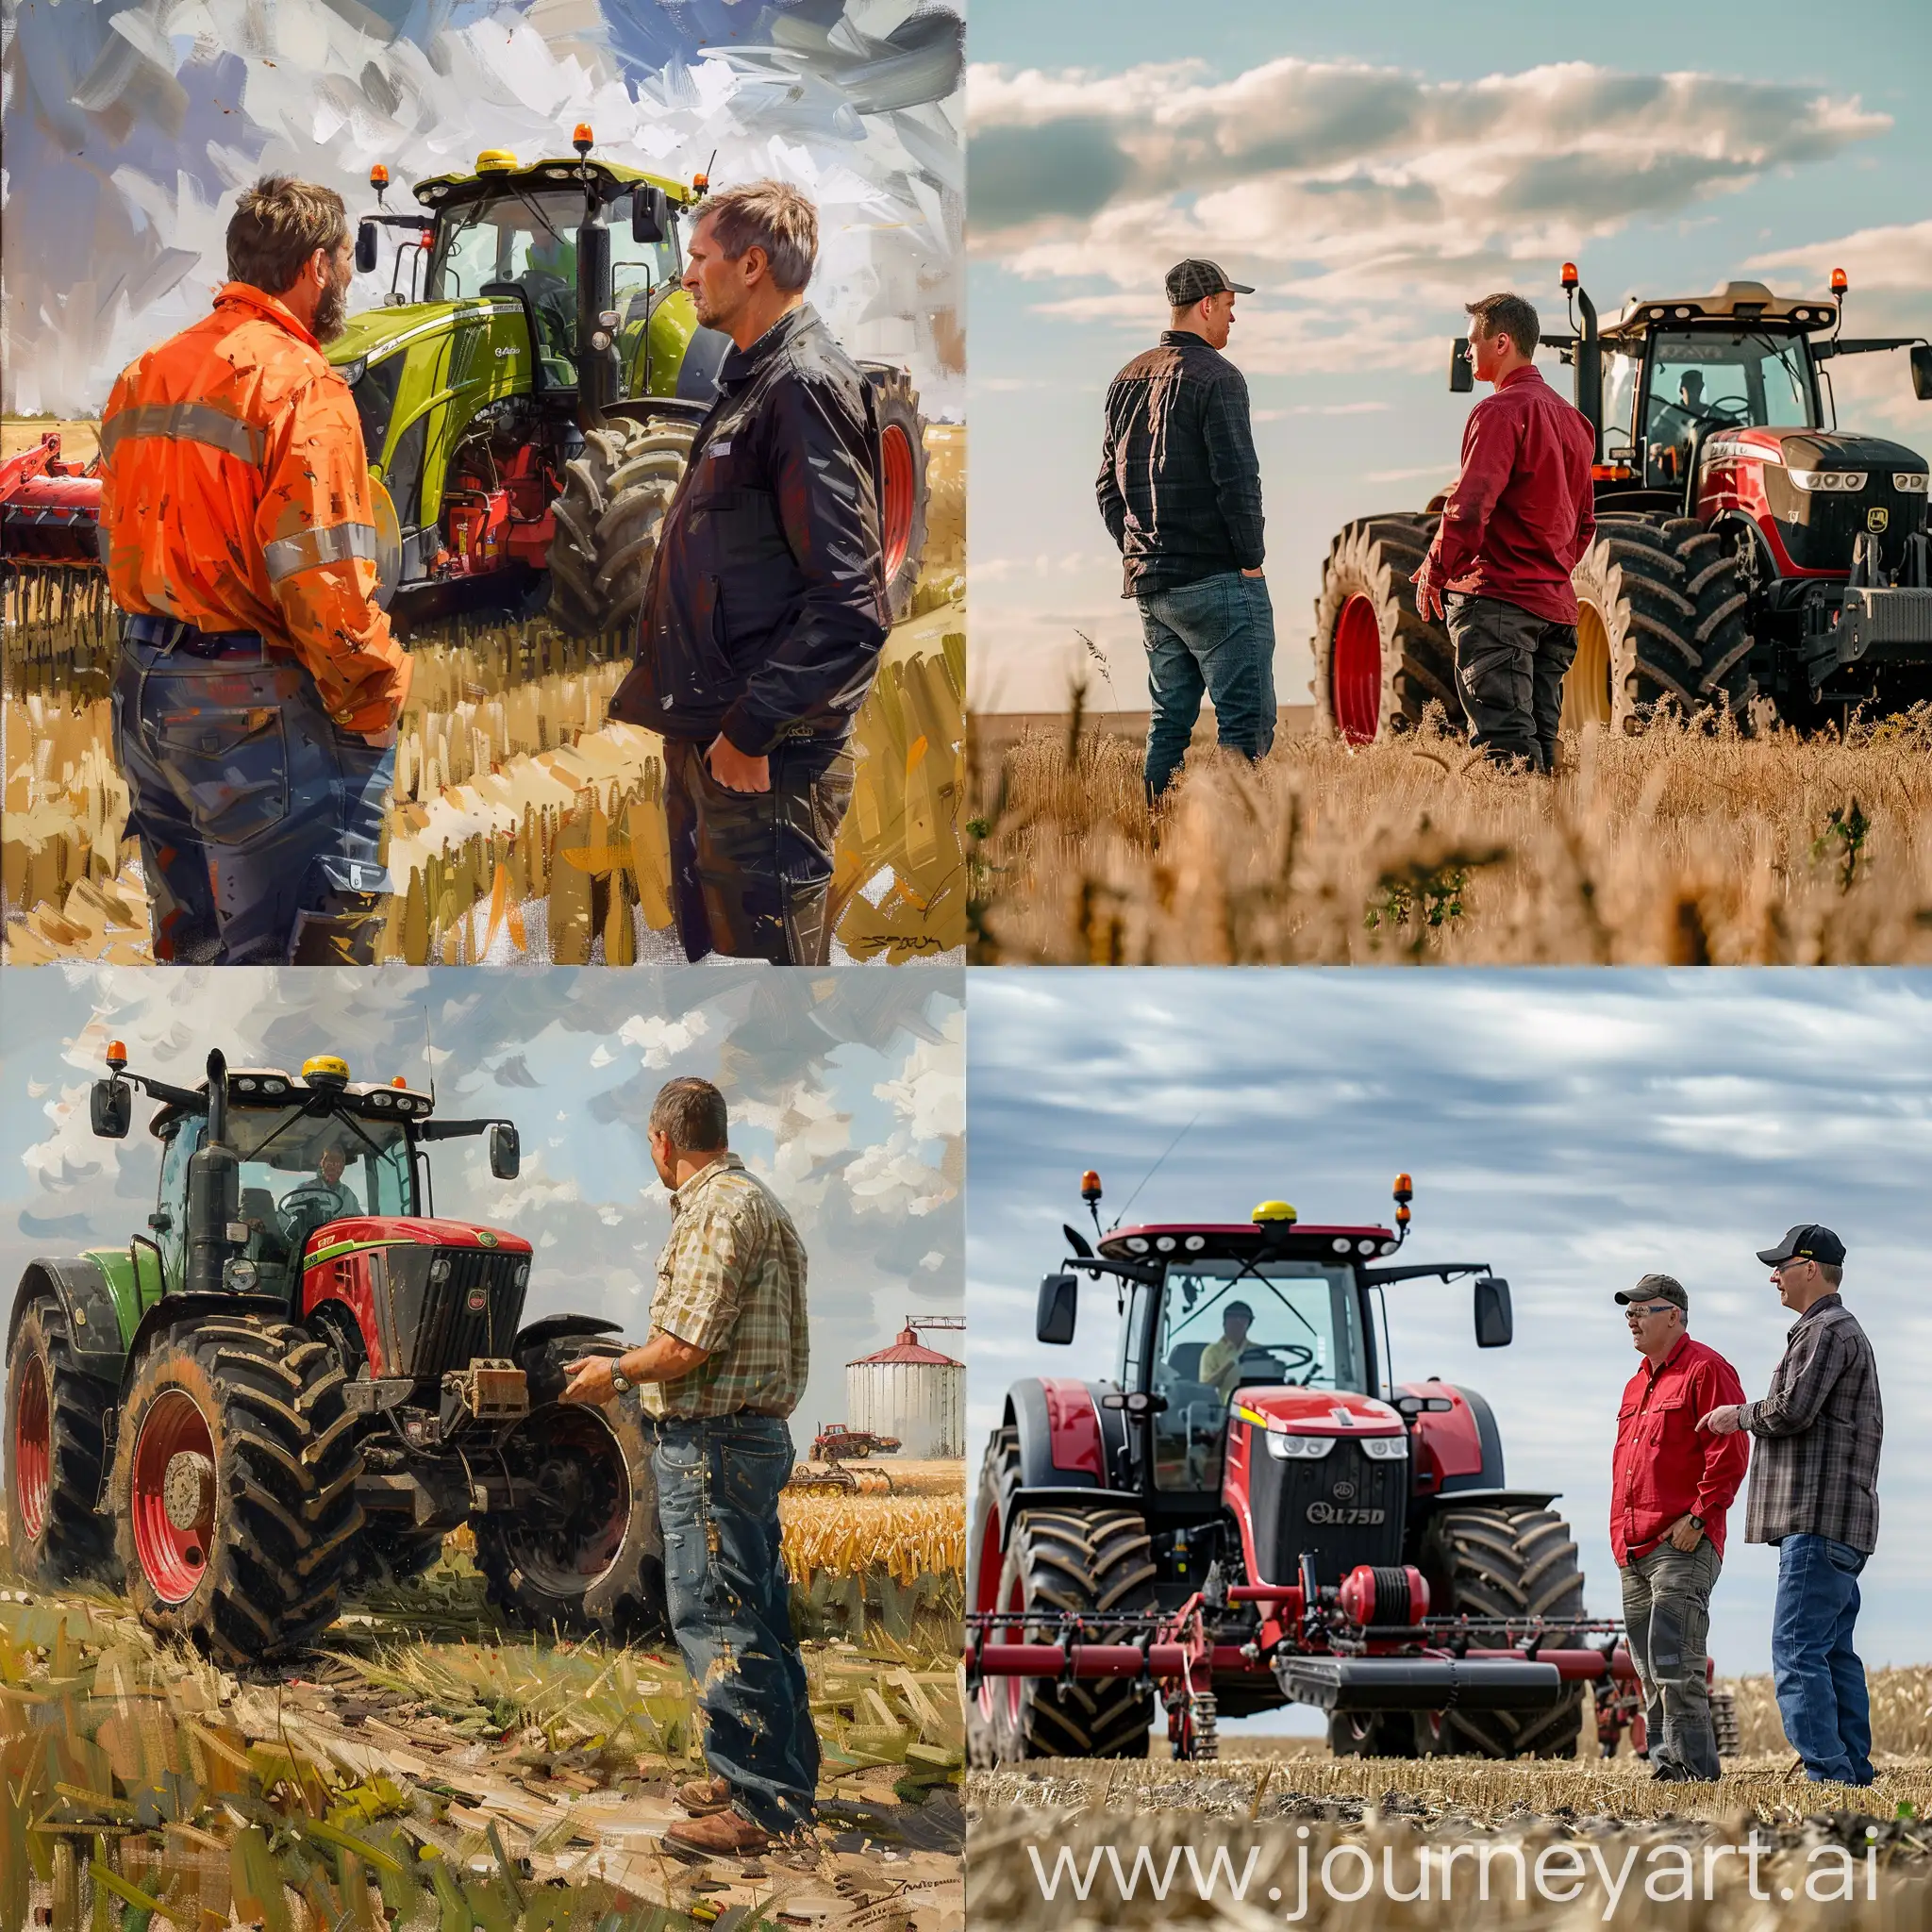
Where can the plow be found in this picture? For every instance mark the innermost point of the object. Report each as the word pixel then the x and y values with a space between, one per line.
pixel 1253 1512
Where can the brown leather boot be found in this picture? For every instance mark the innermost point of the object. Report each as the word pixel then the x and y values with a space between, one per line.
pixel 701 1797
pixel 727 1834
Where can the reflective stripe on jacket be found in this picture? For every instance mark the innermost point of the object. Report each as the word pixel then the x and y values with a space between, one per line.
pixel 235 496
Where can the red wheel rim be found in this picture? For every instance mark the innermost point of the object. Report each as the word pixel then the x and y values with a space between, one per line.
pixel 986 1592
pixel 1016 1604
pixel 33 1448
pixel 1356 672
pixel 172 1560
pixel 895 514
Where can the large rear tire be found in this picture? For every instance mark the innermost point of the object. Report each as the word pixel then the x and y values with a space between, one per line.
pixel 234 1487
pixel 54 1454
pixel 587 1555
pixel 1506 1562
pixel 1091 1561
pixel 1378 662
pixel 1663 618
pixel 614 497
pixel 907 492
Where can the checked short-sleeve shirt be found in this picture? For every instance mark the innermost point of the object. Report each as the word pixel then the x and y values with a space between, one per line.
pixel 731 1281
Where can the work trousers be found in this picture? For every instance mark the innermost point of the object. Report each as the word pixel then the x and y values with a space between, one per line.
pixel 1510 668
pixel 1213 637
pixel 1667 1621
pixel 1821 1695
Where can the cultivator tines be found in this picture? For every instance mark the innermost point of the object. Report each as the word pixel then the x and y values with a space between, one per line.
pixel 49 561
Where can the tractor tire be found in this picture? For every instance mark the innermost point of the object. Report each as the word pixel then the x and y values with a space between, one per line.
pixel 55 1453
pixel 908 496
pixel 614 497
pixel 1504 1561
pixel 234 1487
pixel 1663 619
pixel 588 1556
pixel 1378 662
pixel 1091 1561
pixel 1387 1734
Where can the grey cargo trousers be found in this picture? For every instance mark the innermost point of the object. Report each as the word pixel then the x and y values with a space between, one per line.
pixel 1667 1615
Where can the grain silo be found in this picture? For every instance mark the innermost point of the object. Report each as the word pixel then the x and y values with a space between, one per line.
pixel 910 1391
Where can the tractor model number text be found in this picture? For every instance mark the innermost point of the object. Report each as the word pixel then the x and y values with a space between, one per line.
pixel 1327 1512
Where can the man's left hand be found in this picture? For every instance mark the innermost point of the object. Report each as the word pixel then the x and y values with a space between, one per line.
pixel 1427 597
pixel 1726 1421
pixel 590 1380
pixel 735 770
pixel 1683 1535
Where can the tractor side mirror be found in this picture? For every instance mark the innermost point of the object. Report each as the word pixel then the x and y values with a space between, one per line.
pixel 1922 372
pixel 365 248
pixel 1461 372
pixel 1060 1302
pixel 650 214
pixel 1495 1328
pixel 110 1108
pixel 506 1151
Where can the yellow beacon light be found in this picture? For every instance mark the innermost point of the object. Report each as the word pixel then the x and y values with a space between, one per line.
pixel 496 161
pixel 1275 1210
pixel 326 1070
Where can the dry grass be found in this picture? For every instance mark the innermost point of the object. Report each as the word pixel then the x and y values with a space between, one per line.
pixel 1677 846
pixel 905 1536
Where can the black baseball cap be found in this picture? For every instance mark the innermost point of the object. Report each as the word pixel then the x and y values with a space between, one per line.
pixel 1654 1288
pixel 1194 280
pixel 1805 1243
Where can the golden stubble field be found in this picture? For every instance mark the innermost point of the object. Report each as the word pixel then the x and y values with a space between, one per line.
pixel 1677 846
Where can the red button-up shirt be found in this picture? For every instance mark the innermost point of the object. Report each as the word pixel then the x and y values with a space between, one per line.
pixel 1663 1468
pixel 1521 513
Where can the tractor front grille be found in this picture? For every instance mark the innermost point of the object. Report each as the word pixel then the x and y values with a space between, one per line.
pixel 453 1333
pixel 1346 1508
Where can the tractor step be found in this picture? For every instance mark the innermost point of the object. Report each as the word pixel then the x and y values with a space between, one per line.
pixel 1347 1684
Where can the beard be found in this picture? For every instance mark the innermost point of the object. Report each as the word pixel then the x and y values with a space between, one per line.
pixel 332 312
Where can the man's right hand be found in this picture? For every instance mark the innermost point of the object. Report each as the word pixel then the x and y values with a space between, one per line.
pixel 1254 573
pixel 378 741
pixel 1429 597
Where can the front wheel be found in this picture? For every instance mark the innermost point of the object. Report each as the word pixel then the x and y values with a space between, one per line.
pixel 906 495
pixel 54 1453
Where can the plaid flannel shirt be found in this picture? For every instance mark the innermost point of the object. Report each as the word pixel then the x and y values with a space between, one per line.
pixel 731 1281
pixel 1815 1470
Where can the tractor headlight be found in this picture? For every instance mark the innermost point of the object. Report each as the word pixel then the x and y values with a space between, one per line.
pixel 1828 479
pixel 523 1272
pixel 600 339
pixel 439 1269
pixel 1386 1448
pixel 1909 480
pixel 351 372
pixel 1298 1448
pixel 380 1099
pixel 240 1276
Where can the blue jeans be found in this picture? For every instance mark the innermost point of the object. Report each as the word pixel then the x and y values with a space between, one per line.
pixel 730 1605
pixel 259 819
pixel 1216 637
pixel 1820 1682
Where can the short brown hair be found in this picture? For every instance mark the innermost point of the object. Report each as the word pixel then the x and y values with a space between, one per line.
pixel 277 224
pixel 691 1111
pixel 1834 1273
pixel 1507 315
pixel 772 215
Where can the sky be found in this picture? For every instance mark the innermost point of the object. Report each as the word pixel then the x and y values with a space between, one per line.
pixel 1370 170
pixel 133 124
pixel 845 1090
pixel 1573 1129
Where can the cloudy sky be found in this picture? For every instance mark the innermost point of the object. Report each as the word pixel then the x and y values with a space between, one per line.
pixel 1573 1129
pixel 132 125
pixel 846 1092
pixel 1368 170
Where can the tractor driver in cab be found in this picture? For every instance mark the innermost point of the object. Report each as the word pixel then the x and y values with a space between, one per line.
pixel 316 1202
pixel 1674 424
pixel 549 278
pixel 1221 1360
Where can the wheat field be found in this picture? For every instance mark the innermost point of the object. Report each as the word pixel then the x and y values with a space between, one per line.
pixel 1677 846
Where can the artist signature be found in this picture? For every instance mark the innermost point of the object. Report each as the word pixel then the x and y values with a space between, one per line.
pixel 913 943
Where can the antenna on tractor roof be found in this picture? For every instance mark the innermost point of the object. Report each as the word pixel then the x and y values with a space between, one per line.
pixel 428 1058
pixel 1153 1170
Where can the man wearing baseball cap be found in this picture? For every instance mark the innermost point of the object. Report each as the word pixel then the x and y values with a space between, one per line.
pixel 1814 1493
pixel 1181 487
pixel 1669 1490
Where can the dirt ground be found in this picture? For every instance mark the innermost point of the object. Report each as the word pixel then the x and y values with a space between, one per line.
pixel 78 440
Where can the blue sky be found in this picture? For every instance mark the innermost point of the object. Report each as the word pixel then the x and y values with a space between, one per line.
pixel 1574 1129
pixel 846 1096
pixel 1405 166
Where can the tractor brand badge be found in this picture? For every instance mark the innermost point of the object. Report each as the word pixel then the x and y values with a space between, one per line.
pixel 485 1238
pixel 479 1300
pixel 1341 1514
pixel 1344 1492
pixel 1876 518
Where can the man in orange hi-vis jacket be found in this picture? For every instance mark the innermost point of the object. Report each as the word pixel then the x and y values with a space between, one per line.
pixel 256 704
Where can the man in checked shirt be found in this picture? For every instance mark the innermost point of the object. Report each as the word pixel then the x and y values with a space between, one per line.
pixel 1814 1493
pixel 723 1368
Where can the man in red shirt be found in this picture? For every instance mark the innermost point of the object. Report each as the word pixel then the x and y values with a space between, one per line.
pixel 1669 1487
pixel 1514 524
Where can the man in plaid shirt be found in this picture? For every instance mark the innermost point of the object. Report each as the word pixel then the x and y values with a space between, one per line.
pixel 1814 1493
pixel 723 1368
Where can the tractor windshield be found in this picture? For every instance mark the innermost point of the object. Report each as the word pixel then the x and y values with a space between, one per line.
pixel 1713 378
pixel 1287 1323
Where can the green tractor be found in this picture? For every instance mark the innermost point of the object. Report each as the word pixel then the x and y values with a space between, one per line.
pixel 302 1377
pixel 528 418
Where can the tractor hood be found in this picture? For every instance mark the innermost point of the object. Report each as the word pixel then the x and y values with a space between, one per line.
pixel 347 1237
pixel 1791 479
pixel 1315 1412
pixel 377 331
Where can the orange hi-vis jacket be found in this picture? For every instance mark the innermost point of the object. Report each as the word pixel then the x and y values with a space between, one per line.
pixel 235 496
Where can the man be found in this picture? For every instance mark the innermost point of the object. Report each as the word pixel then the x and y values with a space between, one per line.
pixel 1181 489
pixel 1221 1360
pixel 256 704
pixel 761 629
pixel 315 1203
pixel 1814 1493
pixel 724 1366
pixel 1516 521
pixel 1669 1490
pixel 1676 426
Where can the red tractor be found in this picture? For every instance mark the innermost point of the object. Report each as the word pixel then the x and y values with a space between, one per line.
pixel 1254 1512
pixel 1747 548
pixel 835 1442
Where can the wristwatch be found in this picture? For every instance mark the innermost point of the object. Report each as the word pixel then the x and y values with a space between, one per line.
pixel 1696 1522
pixel 623 1383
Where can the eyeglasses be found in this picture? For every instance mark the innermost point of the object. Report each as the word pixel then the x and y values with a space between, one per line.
pixel 1655 1308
